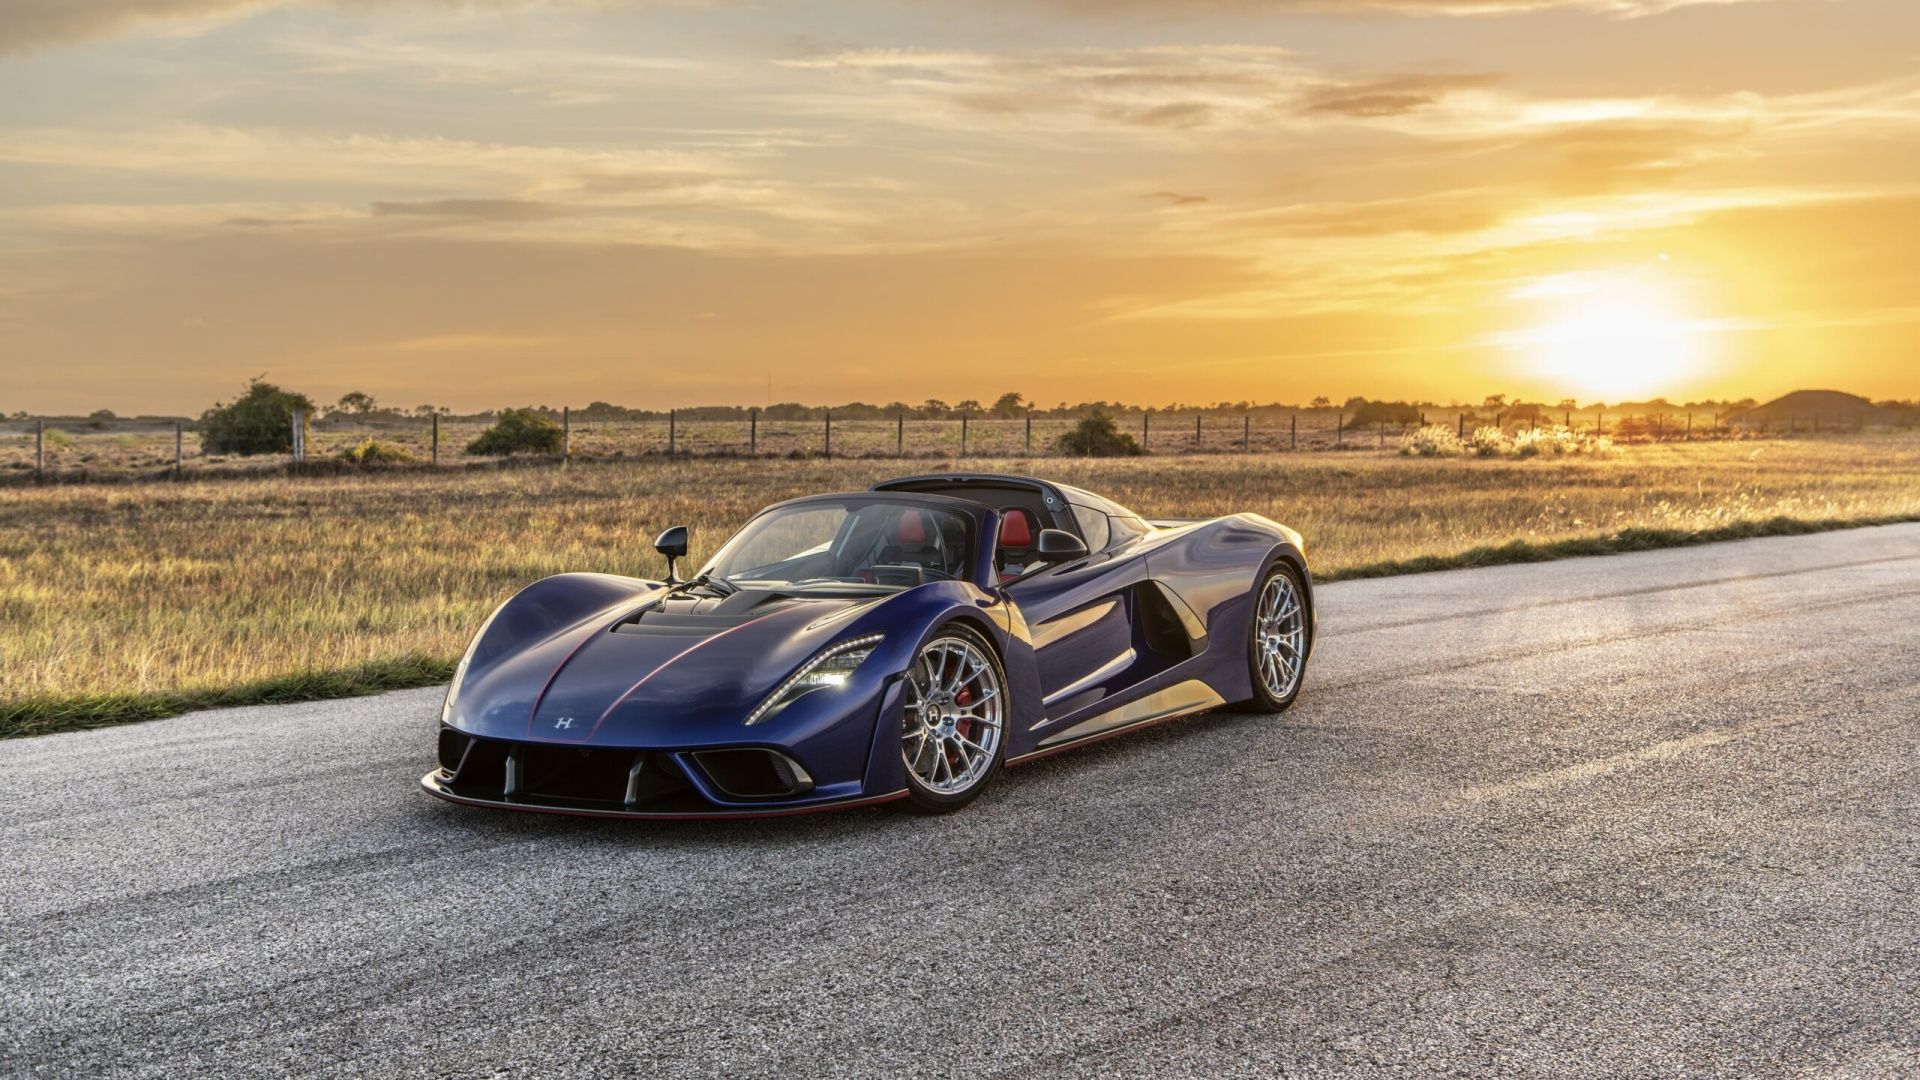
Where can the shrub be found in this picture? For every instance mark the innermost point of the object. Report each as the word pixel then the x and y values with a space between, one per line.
pixel 518 431
pixel 56 438
pixel 259 421
pixel 1438 440
pixel 1098 436
pixel 371 451
pixel 1434 440
pixel 1489 441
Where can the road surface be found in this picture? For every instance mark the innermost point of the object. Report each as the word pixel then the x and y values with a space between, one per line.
pixel 1649 814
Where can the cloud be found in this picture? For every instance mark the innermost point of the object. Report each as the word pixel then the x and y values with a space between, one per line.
pixel 30 24
pixel 26 25
pixel 1170 88
pixel 1394 96
pixel 471 209
pixel 1174 198
pixel 1212 8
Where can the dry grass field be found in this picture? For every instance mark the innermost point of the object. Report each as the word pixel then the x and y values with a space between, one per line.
pixel 119 601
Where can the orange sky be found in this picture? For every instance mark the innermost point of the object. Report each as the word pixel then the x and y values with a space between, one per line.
pixel 676 203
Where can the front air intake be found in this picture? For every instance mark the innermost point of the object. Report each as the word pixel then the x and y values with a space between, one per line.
pixel 754 774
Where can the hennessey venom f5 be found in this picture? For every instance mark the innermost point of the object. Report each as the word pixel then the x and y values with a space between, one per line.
pixel 905 642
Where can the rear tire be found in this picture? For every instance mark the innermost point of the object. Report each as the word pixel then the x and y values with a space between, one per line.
pixel 1279 636
pixel 954 720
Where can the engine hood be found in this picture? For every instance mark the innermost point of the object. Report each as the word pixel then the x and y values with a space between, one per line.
pixel 656 670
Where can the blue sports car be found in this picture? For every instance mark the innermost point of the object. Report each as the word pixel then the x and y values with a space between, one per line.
pixel 900 643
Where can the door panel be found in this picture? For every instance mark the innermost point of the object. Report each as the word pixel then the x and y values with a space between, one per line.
pixel 1081 618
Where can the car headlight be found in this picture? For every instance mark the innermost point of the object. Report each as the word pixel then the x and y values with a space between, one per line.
pixel 830 668
pixel 460 670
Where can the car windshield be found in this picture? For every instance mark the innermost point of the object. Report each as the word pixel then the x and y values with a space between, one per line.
pixel 859 543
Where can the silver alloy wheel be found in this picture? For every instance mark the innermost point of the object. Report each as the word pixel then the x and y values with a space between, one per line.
pixel 951 729
pixel 1280 635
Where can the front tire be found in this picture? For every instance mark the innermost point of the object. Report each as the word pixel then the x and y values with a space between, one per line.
pixel 953 724
pixel 1278 637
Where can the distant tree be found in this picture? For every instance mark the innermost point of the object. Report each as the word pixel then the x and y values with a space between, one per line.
pixel 1494 401
pixel 1009 405
pixel 1320 402
pixel 935 408
pixel 1567 404
pixel 259 421
pixel 102 414
pixel 356 402
pixel 1355 403
pixel 423 411
pixel 518 431
pixel 968 407
pixel 1098 436
pixel 1370 413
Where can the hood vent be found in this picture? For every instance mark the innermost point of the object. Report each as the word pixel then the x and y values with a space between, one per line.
pixel 699 616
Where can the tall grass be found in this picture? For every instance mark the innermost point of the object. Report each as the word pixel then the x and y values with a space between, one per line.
pixel 122 601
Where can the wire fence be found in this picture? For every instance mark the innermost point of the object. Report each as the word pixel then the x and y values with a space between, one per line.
pixel 57 448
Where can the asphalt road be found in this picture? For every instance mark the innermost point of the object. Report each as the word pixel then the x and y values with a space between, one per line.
pixel 1649 814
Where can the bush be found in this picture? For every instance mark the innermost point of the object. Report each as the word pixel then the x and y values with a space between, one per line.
pixel 1438 440
pixel 56 438
pixel 518 431
pixel 259 421
pixel 1434 440
pixel 371 451
pixel 1098 436
pixel 1489 441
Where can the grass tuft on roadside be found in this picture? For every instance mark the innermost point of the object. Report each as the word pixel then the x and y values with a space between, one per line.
pixel 45 715
pixel 1622 542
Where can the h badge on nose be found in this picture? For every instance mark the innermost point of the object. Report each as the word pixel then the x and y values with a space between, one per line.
pixel 563 723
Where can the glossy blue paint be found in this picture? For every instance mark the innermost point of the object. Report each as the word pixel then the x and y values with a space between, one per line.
pixel 575 662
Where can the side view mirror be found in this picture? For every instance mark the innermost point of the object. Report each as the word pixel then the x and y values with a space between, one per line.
pixel 672 544
pixel 1059 545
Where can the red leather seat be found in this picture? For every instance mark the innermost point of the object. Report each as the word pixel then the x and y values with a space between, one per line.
pixel 1019 530
pixel 912 528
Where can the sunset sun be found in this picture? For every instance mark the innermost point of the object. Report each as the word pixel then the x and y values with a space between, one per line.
pixel 1611 338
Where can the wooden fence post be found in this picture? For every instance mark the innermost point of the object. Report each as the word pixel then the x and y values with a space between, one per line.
pixel 1340 428
pixel 39 449
pixel 900 435
pixel 1196 431
pixel 1293 431
pixel 299 436
pixel 1462 425
pixel 436 439
pixel 829 442
pixel 1246 432
pixel 566 432
pixel 753 431
pixel 1146 431
pixel 673 431
pixel 963 435
pixel 179 439
pixel 1029 431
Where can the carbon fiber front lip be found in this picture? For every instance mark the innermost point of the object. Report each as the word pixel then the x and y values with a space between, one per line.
pixel 431 782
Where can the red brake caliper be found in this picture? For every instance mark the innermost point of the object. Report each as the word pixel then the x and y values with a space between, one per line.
pixel 963 699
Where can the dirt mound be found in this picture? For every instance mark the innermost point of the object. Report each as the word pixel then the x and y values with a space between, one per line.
pixel 1822 406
